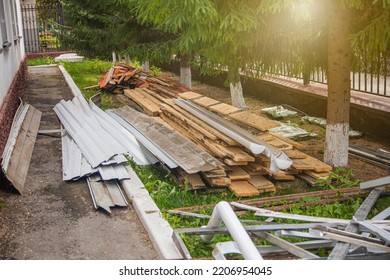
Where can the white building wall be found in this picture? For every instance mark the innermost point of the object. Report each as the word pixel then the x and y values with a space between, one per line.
pixel 11 57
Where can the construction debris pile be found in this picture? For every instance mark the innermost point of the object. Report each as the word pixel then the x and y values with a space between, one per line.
pixel 358 238
pixel 123 76
pixel 249 152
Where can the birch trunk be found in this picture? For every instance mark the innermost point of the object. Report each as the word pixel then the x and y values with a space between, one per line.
pixel 237 95
pixel 185 72
pixel 236 92
pixel 113 57
pixel 145 65
pixel 337 127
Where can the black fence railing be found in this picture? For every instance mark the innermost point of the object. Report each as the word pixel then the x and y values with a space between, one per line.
pixel 368 74
pixel 41 27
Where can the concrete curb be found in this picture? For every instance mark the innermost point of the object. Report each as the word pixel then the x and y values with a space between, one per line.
pixel 69 81
pixel 159 230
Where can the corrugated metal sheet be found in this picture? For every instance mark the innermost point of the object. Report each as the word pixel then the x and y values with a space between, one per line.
pixel 86 137
pixel 134 149
pixel 98 137
pixel 172 146
pixel 112 172
pixel 105 194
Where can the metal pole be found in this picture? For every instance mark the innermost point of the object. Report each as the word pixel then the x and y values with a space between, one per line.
pixel 224 213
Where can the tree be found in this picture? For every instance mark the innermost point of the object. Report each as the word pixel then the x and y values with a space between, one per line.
pixel 352 27
pixel 339 86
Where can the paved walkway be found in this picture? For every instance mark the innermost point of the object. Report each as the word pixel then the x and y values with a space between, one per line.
pixel 56 220
pixel 368 100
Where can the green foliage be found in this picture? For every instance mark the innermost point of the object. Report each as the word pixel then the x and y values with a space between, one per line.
pixel 337 210
pixel 87 73
pixel 155 70
pixel 41 61
pixel 340 178
pixel 168 194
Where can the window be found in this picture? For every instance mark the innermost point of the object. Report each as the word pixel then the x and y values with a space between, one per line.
pixel 14 17
pixel 3 28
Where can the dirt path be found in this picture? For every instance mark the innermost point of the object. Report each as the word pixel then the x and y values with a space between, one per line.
pixel 56 220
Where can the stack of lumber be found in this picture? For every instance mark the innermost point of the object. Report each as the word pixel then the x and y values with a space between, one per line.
pixel 123 76
pixel 243 173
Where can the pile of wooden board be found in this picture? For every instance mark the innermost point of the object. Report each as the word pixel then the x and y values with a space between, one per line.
pixel 123 76
pixel 243 173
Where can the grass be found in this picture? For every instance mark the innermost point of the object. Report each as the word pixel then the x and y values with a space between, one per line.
pixel 41 61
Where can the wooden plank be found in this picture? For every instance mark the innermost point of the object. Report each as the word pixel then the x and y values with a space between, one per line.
pixel 243 188
pixel 148 106
pixel 237 173
pixel 310 163
pixel 186 122
pixel 280 175
pixel 216 181
pixel 205 101
pixel 295 144
pixel 253 120
pixel 148 96
pixel 293 154
pixel 154 94
pixel 234 153
pixel 190 95
pixel 280 144
pixel 201 123
pixel 231 162
pixel 317 175
pixel 224 109
pixel 23 149
pixel 260 182
pixel 194 181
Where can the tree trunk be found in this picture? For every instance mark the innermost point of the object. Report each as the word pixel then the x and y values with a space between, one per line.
pixel 127 59
pixel 145 65
pixel 113 57
pixel 339 85
pixel 185 71
pixel 236 93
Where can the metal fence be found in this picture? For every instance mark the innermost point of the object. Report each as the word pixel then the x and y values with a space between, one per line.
pixel 369 74
pixel 41 27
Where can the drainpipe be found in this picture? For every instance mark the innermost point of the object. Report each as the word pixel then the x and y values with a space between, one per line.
pixel 224 213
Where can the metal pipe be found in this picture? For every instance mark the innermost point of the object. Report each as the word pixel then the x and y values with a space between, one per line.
pixel 224 213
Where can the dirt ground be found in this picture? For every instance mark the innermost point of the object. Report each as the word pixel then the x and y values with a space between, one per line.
pixel 314 146
pixel 56 220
